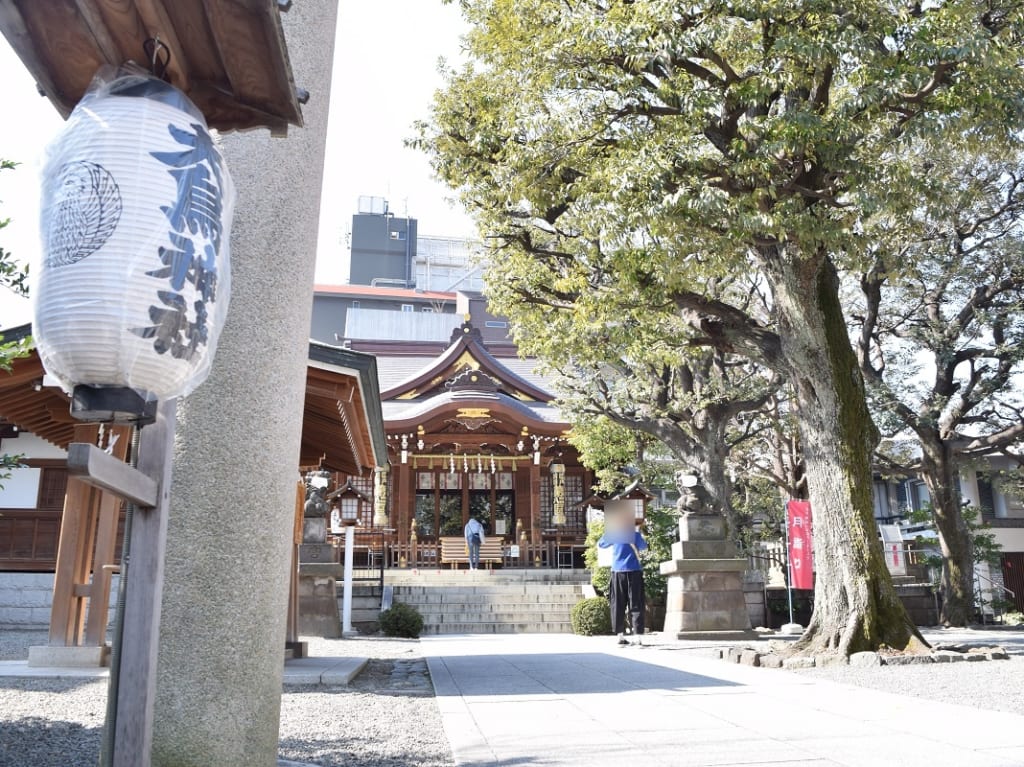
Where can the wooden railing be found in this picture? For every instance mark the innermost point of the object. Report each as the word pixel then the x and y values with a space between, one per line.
pixel 427 554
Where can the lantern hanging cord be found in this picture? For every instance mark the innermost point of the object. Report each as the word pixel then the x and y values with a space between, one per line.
pixel 159 57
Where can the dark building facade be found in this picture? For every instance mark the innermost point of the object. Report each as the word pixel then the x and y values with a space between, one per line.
pixel 383 247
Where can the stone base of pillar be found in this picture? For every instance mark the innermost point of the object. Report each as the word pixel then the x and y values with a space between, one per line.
pixel 705 599
pixel 69 657
pixel 318 606
pixel 294 650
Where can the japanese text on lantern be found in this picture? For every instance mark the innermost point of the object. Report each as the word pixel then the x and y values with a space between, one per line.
pixel 190 263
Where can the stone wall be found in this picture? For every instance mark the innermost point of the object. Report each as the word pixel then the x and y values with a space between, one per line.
pixel 25 600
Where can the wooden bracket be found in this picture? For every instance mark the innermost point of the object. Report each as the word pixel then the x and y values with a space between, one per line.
pixel 94 467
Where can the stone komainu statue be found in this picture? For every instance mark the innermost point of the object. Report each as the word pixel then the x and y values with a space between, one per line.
pixel 316 504
pixel 693 497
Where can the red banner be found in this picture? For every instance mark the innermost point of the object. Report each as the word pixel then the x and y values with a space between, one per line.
pixel 801 544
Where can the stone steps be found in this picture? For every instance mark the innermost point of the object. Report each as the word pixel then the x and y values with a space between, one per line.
pixel 468 596
pixel 510 607
pixel 475 601
pixel 365 605
pixel 498 628
pixel 413 577
pixel 497 614
pixel 483 588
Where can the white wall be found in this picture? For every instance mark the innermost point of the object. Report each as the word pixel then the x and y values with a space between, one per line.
pixel 1009 538
pixel 31 446
pixel 21 490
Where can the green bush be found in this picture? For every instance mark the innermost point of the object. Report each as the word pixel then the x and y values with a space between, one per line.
pixel 591 616
pixel 401 620
pixel 600 577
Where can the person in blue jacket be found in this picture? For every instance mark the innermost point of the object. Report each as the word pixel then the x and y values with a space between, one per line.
pixel 626 589
pixel 474 532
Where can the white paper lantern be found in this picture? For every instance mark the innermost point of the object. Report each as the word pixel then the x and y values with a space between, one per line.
pixel 136 215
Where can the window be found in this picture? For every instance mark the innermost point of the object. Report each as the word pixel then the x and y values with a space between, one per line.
pixel 355 304
pixel 428 309
pixel 986 496
pixel 495 324
pixel 408 308
pixel 397 235
pixel 53 483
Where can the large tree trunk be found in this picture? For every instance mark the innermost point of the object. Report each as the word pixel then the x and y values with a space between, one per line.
pixel 855 605
pixel 957 585
pixel 705 457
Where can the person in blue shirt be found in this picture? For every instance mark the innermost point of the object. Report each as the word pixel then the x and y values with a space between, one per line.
pixel 626 589
pixel 474 532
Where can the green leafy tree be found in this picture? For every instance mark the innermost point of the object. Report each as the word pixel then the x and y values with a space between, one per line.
pixel 661 148
pixel 14 278
pixel 941 339
pixel 686 402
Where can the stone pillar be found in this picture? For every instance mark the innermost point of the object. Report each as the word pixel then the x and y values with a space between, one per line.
pixel 705 585
pixel 231 522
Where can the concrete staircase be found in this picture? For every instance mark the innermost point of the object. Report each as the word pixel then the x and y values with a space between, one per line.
pixel 918 599
pixel 490 602
pixel 365 605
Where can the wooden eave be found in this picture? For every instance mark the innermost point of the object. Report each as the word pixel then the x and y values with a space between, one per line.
pixel 45 413
pixel 466 350
pixel 509 419
pixel 228 56
pixel 343 429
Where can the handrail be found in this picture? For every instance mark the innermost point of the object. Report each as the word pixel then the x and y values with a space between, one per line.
pixel 991 582
pixel 978 577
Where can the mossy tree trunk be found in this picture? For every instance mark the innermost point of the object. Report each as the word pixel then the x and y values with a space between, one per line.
pixel 855 605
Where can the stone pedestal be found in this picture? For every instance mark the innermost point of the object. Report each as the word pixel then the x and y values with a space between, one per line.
pixel 318 606
pixel 314 530
pixel 314 548
pixel 317 553
pixel 69 657
pixel 705 584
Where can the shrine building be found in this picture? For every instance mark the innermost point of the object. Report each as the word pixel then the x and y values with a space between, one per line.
pixel 469 433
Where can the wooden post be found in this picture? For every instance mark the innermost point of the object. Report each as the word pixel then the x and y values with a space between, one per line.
pixel 292 631
pixel 66 615
pixel 402 508
pixel 106 551
pixel 535 528
pixel 133 734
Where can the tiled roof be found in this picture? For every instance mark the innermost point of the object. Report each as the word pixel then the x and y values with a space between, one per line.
pixel 401 409
pixel 367 291
pixel 392 371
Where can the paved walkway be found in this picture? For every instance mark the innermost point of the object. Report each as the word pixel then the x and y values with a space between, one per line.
pixel 534 699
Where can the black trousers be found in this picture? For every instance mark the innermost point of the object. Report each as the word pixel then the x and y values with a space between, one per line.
pixel 626 591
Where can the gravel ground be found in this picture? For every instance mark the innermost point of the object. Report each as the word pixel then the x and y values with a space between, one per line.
pixel 996 685
pixel 388 717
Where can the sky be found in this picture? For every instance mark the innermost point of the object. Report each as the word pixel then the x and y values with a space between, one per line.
pixel 385 63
